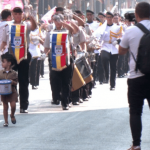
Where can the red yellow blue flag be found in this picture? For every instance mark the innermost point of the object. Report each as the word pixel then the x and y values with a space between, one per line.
pixel 18 41
pixel 59 51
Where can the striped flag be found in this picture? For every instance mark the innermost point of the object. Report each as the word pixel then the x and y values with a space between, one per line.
pixel 18 41
pixel 60 51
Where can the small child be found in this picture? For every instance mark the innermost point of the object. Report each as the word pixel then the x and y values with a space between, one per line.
pixel 8 73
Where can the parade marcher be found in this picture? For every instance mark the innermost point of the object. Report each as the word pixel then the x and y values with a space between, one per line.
pixel 93 26
pixel 101 75
pixel 34 49
pixel 79 40
pixel 6 18
pixel 61 79
pixel 9 74
pixel 23 66
pixel 85 91
pixel 138 83
pixel 120 64
pixel 109 53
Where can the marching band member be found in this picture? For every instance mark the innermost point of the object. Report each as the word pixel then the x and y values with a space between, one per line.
pixel 23 66
pixel 61 79
pixel 101 75
pixel 120 64
pixel 94 26
pixel 109 53
pixel 85 91
pixel 34 49
pixel 6 18
pixel 79 41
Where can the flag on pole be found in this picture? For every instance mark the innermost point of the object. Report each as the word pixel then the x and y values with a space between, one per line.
pixel 12 4
pixel 48 15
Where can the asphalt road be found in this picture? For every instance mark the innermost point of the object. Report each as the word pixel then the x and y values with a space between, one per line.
pixel 99 124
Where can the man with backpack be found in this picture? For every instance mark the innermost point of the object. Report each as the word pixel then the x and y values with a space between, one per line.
pixel 136 40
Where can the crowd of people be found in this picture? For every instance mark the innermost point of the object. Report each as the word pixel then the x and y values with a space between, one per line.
pixel 80 49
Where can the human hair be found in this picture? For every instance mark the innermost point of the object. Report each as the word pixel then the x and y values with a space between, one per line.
pixel 5 13
pixel 58 17
pixel 9 58
pixel 116 14
pixel 17 10
pixel 59 9
pixel 143 10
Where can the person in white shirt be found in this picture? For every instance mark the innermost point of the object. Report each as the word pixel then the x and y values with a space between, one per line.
pixel 34 49
pixel 138 83
pixel 120 64
pixel 109 53
pixel 6 18
pixel 94 25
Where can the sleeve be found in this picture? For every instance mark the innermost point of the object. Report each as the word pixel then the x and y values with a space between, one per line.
pixel 125 39
pixel 82 36
pixel 15 78
pixel 47 41
pixel 4 34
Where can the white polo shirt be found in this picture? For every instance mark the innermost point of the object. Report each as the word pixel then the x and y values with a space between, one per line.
pixel 131 40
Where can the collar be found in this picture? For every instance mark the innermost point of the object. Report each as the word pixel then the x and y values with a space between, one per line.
pixel 110 25
pixel 4 71
pixel 89 21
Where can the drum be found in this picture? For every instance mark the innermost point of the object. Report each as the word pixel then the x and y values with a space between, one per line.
pixel 88 79
pixel 92 57
pixel 83 67
pixel 77 80
pixel 5 87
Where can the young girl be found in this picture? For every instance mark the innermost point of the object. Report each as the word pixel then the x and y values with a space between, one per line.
pixel 8 73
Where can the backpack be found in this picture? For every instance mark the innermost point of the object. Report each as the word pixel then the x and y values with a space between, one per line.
pixel 143 57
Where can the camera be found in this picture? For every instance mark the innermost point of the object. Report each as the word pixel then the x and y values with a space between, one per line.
pixel 130 17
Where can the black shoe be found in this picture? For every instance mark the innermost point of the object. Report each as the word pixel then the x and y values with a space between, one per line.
pixel 34 87
pixel 101 83
pixel 65 108
pixel 81 101
pixel 112 88
pixel 76 103
pixel 23 111
pixel 55 102
pixel 42 76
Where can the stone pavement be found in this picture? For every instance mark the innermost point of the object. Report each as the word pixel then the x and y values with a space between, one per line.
pixel 99 124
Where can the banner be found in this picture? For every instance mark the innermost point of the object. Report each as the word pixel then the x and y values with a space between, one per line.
pixel 48 15
pixel 10 4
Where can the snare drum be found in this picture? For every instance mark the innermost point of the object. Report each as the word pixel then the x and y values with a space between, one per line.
pixel 77 80
pixel 5 87
pixel 83 67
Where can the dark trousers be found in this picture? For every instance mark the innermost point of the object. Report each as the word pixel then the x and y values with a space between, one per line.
pixel 42 68
pixel 101 76
pixel 23 78
pixel 75 96
pixel 108 58
pixel 120 67
pixel 126 62
pixel 95 68
pixel 61 82
pixel 34 72
pixel 138 90
pixel 84 92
